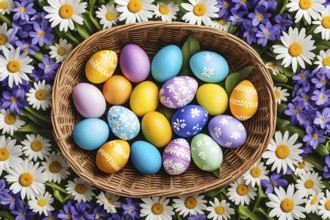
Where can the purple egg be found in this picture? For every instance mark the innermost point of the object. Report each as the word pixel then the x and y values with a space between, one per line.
pixel 227 131
pixel 176 157
pixel 134 63
pixel 178 91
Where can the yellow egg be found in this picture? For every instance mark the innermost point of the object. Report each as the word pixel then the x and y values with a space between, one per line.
pixel 243 102
pixel 144 98
pixel 117 89
pixel 213 98
pixel 156 129
pixel 101 66
pixel 113 156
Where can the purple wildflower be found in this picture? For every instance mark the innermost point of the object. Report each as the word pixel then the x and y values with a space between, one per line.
pixel 323 119
pixel 259 15
pixel 100 213
pixel 51 216
pixel 303 97
pixel 42 34
pixel 249 31
pixel 14 100
pixel 303 78
pixel 239 4
pixel 237 16
pixel 67 211
pixel 270 5
pixel 314 137
pixel 224 8
pixel 295 110
pixel 321 97
pixel 39 17
pixel 197 217
pixel 80 213
pixel 275 181
pixel 284 21
pixel 131 208
pixel 21 29
pixel 25 46
pixel 320 81
pixel 23 10
pixel 21 211
pixel 115 216
pixel 326 168
pixel 267 32
pixel 4 193
pixel 49 68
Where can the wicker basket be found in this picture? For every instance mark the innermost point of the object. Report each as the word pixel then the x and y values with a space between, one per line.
pixel 152 36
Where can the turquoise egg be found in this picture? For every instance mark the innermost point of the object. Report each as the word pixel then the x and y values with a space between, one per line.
pixel 91 133
pixel 145 157
pixel 167 63
pixel 209 66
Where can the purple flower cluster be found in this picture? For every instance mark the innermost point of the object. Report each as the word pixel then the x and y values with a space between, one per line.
pixel 274 182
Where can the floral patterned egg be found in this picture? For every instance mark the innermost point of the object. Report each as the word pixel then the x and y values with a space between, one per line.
pixel 189 120
pixel 123 123
pixel 176 156
pixel 178 91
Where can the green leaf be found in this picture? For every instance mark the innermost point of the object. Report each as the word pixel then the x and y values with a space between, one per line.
pixel 280 78
pixel 34 119
pixel 232 29
pixel 65 199
pixel 38 56
pixel 315 161
pixel 243 211
pixel 189 48
pixel 82 32
pixel 312 216
pixel 95 22
pixel 294 130
pixel 40 115
pixel 58 196
pixel 326 184
pixel 5 20
pixel 281 107
pixel 260 211
pixel 280 123
pixel 288 72
pixel 217 173
pixel 234 78
pixel 29 128
pixel 6 215
pixel 322 150
pixel 213 193
pixel 56 187
pixel 260 196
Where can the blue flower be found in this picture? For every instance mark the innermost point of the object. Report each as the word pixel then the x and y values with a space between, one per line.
pixel 237 16
pixel 100 213
pixel 39 17
pixel 51 216
pixel 131 208
pixel 275 181
pixel 224 8
pixel 42 34
pixel 267 32
pixel 26 46
pixel 321 97
pixel 249 31
pixel 320 80
pixel 295 110
pixel 23 10
pixel 323 119
pixel 67 211
pixel 197 217
pixel 21 211
pixel 303 78
pixel 259 15
pixel 270 5
pixel 14 100
pixel 239 4
pixel 80 213
pixel 49 68
pixel 302 96
pixel 115 216
pixel 326 168
pixel 4 193
pixel 284 21
pixel 21 29
pixel 314 137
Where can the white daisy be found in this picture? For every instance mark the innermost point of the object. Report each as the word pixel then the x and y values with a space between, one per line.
pixel 296 48
pixel 302 168
pixel 219 210
pixel 28 178
pixel 240 193
pixel 40 95
pixel 276 69
pixel 36 147
pixel 9 153
pixel 42 204
pixel 81 190
pixel 306 8
pixel 108 201
pixel 6 6
pixel 221 24
pixel 14 66
pixel 192 205
pixel 200 11
pixel 60 51
pixel 108 15
pixel 255 174
pixel 9 123
pixel 156 208
pixel 323 59
pixel 324 206
pixel 323 23
pixel 309 184
pixel 135 10
pixel 4 36
pixel 55 167
pixel 166 11
pixel 280 94
pixel 65 13
pixel 286 205
pixel 313 202
pixel 283 152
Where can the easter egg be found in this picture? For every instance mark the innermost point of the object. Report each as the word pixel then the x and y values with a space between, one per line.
pixel 206 153
pixel 101 66
pixel 117 90
pixel 189 120
pixel 112 156
pixel 178 91
pixel 213 98
pixel 145 157
pixel 144 98
pixel 243 101
pixel 123 123
pixel 176 157
pixel 227 131
pixel 88 100
pixel 90 133
pixel 209 66
pixel 166 63
pixel 134 63
pixel 156 129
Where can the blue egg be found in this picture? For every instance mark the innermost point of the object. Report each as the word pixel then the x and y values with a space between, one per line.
pixel 167 63
pixel 91 133
pixel 189 120
pixel 209 66
pixel 123 123
pixel 145 157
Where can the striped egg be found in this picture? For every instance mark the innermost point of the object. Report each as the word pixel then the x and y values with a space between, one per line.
pixel 243 102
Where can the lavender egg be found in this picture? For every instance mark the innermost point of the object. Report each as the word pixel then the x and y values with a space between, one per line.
pixel 178 92
pixel 176 157
pixel 227 131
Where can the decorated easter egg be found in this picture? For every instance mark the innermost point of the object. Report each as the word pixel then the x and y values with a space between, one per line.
pixel 243 102
pixel 101 66
pixel 227 131
pixel 189 120
pixel 209 66
pixel 166 63
pixel 178 91
pixel 145 157
pixel 213 98
pixel 90 133
pixel 117 90
pixel 206 153
pixel 144 98
pixel 176 157
pixel 112 156
pixel 88 100
pixel 134 63
pixel 123 123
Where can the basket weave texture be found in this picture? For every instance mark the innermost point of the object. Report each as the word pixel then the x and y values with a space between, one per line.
pixel 152 36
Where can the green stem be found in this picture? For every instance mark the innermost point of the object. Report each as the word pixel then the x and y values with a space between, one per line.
pixel 87 24
pixel 6 215
pixel 82 32
pixel 284 85
pixel 5 19
pixel 95 22
pixel 57 187
pixel 38 56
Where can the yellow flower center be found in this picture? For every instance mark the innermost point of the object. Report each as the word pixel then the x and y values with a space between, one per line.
pixel 41 33
pixel 134 6
pixel 314 200
pixel 190 202
pixel 277 94
pixel 295 49
pixel 301 165
pixel 81 188
pixel 164 9
pixel 282 151
pixel 22 9
pixel 110 16
pixel 55 167
pixel 225 5
pixel 66 11
pixel 4 154
pixel 326 61
pixel 10 119
pixel 266 32
pixel 255 172
pixel 323 81
pixel 260 16
pixel 305 100
pixel 3 5
pixel 41 94
pixel 222 22
pixel 26 179
pixel 14 66
pixel 326 22
pixel 305 4
pixel 42 202
pixel 309 184
pixel 36 146
pixel 50 218
pixel 219 210
pixel 243 1
pixel 26 48
pixel 287 205
pixel 157 209
pixel 242 189
pixel 110 201
pixel 199 9
pixel 296 111
pixel 315 136
pixel 68 216
pixel 3 39
pixel 327 205
pixel 61 51
pixel 13 99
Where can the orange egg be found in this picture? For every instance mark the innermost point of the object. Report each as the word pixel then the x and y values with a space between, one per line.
pixel 117 90
pixel 243 102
